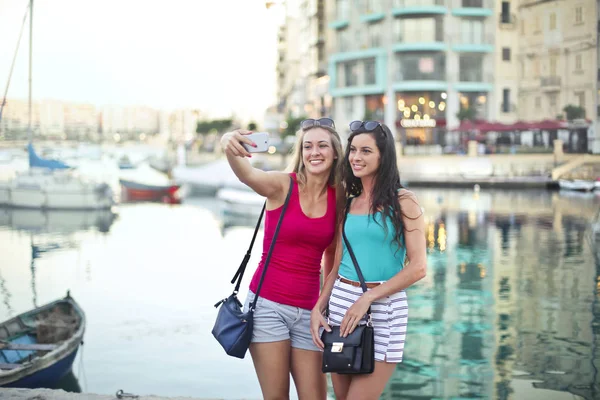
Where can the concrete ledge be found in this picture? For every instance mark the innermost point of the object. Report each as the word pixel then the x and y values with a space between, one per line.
pixel 50 394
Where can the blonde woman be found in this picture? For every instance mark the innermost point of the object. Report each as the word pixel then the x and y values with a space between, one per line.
pixel 281 340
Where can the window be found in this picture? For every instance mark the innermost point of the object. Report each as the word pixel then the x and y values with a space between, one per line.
pixel 578 62
pixel 342 10
pixel 421 66
pixel 343 42
pixel 579 15
pixel 536 67
pixel 552 99
pixel 471 68
pixel 419 30
pixel 506 54
pixel 505 16
pixel 580 96
pixel 552 21
pixel 471 31
pixel 522 26
pixel 348 106
pixel 506 100
pixel 374 32
pixel 369 66
pixel 350 74
pixel 538 101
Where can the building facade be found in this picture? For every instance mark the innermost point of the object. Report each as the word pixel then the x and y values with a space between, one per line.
pixel 558 57
pixel 413 63
pixel 506 60
pixel 302 81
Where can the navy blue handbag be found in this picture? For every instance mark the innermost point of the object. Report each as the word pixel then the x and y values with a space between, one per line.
pixel 233 327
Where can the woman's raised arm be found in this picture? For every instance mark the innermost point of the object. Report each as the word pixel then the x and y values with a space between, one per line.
pixel 268 184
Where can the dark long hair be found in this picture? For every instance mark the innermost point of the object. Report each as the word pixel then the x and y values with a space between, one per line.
pixel 384 197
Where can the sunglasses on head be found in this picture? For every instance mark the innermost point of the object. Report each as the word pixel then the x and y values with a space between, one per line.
pixel 369 126
pixel 312 123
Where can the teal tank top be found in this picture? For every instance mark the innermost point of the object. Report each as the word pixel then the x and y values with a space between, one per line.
pixel 377 254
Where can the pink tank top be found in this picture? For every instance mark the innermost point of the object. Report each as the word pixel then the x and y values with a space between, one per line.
pixel 293 273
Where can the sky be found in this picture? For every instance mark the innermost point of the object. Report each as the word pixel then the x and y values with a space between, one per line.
pixel 216 56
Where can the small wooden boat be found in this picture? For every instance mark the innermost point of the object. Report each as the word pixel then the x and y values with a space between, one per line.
pixel 137 191
pixel 37 348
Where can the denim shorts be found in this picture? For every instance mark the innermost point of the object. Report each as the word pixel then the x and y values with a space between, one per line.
pixel 274 322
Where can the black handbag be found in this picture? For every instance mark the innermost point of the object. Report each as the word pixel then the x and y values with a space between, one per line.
pixel 233 327
pixel 355 353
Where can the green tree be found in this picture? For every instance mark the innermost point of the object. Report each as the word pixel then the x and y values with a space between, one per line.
pixel 252 126
pixel 574 112
pixel 292 125
pixel 218 125
pixel 467 114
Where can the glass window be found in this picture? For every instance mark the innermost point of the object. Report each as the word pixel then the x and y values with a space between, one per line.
pixel 370 76
pixel 418 30
pixel 578 15
pixel 420 66
pixel 343 44
pixel 471 31
pixel 505 16
pixel 506 100
pixel 506 54
pixel 471 68
pixel 348 106
pixel 342 10
pixel 374 32
pixel 350 73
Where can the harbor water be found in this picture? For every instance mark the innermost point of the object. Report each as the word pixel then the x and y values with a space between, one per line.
pixel 509 308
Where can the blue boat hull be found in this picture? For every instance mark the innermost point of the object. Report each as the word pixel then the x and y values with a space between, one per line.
pixel 47 377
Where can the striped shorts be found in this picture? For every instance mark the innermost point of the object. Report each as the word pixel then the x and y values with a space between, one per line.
pixel 389 316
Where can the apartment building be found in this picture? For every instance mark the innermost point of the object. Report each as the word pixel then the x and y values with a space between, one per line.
pixel 413 63
pixel 302 65
pixel 558 57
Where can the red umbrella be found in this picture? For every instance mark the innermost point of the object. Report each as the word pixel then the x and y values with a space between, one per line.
pixel 521 126
pixel 549 125
pixel 494 127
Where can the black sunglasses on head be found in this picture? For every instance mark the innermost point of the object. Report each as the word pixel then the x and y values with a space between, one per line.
pixel 370 126
pixel 312 123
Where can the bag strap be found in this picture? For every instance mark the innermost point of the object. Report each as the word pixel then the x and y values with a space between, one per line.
pixel 252 305
pixel 239 274
pixel 361 278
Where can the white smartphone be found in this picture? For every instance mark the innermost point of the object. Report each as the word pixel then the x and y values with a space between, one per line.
pixel 261 139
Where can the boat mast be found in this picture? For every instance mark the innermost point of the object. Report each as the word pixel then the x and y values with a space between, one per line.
pixel 12 65
pixel 29 131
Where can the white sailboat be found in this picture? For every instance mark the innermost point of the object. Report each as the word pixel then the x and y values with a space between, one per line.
pixel 50 184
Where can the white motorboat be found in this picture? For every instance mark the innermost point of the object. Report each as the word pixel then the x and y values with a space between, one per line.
pixel 239 200
pixel 580 185
pixel 55 190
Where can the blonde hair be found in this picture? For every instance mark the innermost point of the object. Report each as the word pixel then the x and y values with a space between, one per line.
pixel 335 175
pixel 297 164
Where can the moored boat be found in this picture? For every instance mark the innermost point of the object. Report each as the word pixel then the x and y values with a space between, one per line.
pixel 577 184
pixel 37 348
pixel 137 191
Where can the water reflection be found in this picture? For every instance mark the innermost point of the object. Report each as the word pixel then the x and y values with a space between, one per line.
pixel 509 304
pixel 509 309
pixel 48 231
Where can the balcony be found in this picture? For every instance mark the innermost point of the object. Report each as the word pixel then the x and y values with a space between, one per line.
pixel 550 83
pixel 418 7
pixel 473 8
